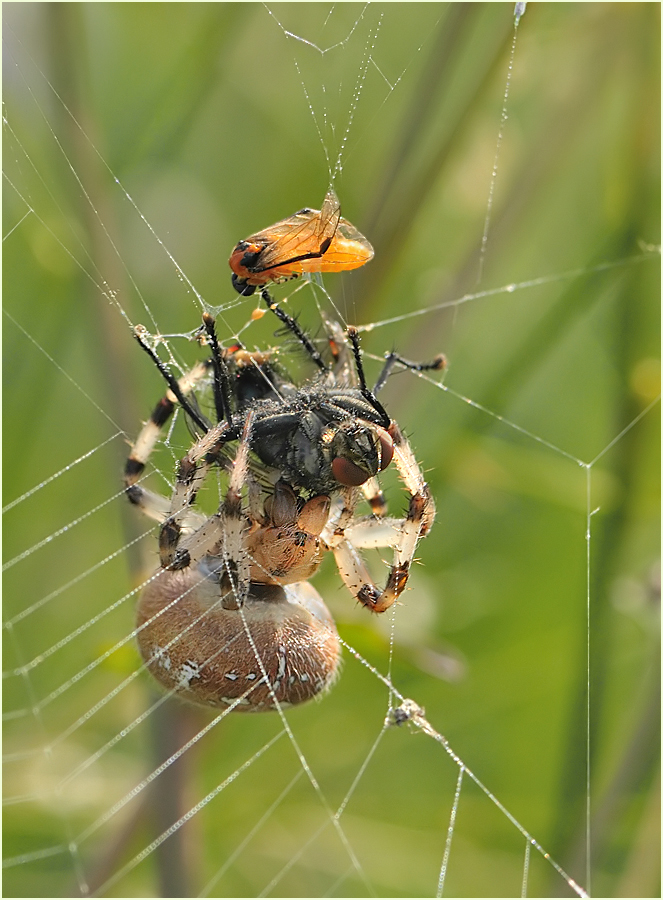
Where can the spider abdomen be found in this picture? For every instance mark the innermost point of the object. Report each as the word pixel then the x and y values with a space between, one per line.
pixel 202 652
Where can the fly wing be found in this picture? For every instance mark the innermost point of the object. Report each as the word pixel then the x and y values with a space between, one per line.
pixel 283 228
pixel 349 249
pixel 305 232
pixel 348 232
pixel 330 216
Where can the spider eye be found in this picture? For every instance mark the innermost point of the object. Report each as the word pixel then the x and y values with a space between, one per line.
pixel 347 473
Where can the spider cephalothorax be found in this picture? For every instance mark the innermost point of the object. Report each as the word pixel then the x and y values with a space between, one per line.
pixel 299 458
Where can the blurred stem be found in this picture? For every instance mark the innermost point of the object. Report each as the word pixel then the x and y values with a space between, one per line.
pixel 402 198
pixel 170 114
pixel 113 354
pixel 512 214
pixel 172 726
pixel 639 761
pixel 451 38
pixel 635 772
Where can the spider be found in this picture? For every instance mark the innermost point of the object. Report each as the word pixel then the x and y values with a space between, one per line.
pixel 302 454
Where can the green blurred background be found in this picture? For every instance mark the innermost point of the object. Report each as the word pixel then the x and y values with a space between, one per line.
pixel 203 113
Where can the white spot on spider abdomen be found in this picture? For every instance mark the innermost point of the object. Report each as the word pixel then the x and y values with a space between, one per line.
pixel 189 671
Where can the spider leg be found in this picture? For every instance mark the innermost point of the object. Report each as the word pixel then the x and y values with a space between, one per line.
pixel 358 580
pixel 340 517
pixel 154 505
pixel 401 534
pixel 369 532
pixel 235 557
pixel 191 473
pixel 373 493
pixel 355 574
pixel 149 435
pixel 221 534
pixel 412 477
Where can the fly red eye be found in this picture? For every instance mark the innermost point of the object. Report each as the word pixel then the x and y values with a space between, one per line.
pixel 386 449
pixel 347 473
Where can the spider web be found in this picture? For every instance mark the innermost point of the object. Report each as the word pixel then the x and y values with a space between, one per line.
pixel 529 633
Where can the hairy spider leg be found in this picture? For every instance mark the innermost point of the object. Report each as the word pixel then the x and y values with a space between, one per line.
pixel 221 534
pixel 372 490
pixel 154 505
pixel 374 494
pixel 176 514
pixel 191 473
pixel 401 534
pixel 233 524
pixel 340 516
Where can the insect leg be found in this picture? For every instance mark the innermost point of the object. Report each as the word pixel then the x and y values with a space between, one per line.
pixel 292 325
pixel 221 375
pixel 353 336
pixel 171 381
pixel 436 365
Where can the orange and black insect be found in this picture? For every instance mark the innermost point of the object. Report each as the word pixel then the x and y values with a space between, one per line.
pixel 310 241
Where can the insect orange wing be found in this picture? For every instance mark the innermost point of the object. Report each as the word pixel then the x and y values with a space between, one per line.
pixel 308 241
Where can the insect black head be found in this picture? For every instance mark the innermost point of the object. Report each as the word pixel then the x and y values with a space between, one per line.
pixel 242 286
